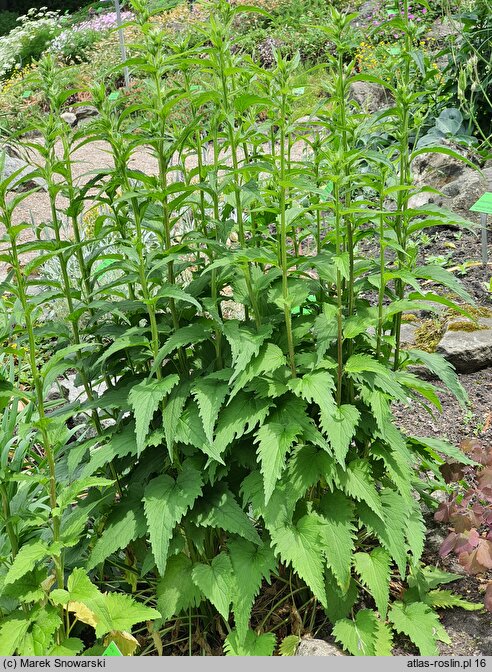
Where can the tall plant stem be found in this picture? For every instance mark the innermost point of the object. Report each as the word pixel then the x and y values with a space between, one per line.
pixel 283 241
pixel 233 148
pixel 11 533
pixel 404 180
pixel 163 163
pixel 38 389
pixel 382 270
pixel 338 245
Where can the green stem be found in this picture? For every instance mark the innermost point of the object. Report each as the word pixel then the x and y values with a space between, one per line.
pixel 283 242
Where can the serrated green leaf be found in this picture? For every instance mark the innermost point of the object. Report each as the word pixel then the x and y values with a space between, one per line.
pixel 358 482
pixel 358 637
pixel 216 581
pixel 125 524
pixel 443 369
pixel 172 413
pixel 116 611
pixel 374 571
pixel 251 564
pixel 444 277
pixel 391 529
pixel 338 603
pixel 270 358
pixel 80 587
pixel 40 638
pixel 245 343
pixel 421 624
pixel 25 560
pixel 360 363
pixel 68 647
pixel 239 418
pixel 434 446
pixel 316 386
pixel 12 633
pixel 383 642
pixel 209 393
pixel 288 645
pixel 176 590
pixel 274 441
pixel 185 336
pixel 416 531
pixel 251 645
pixel 299 545
pixel 445 599
pixel 339 426
pixel 28 587
pixel 165 503
pixel 144 399
pixel 337 532
pixel 221 510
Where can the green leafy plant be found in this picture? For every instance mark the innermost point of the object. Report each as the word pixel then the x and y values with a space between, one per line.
pixel 207 454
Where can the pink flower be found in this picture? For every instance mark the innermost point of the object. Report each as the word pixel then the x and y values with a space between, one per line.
pixel 424 11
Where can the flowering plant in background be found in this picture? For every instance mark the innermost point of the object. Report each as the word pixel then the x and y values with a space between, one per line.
pixel 29 39
pixel 73 43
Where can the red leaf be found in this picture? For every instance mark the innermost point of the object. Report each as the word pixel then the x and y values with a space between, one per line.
pixel 452 471
pixel 462 521
pixel 448 544
pixel 488 597
pixel 485 478
pixel 484 553
pixel 469 562
pixel 443 512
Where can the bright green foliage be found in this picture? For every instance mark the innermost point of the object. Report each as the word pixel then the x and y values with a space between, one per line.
pixel 358 636
pixel 245 433
pixel 144 398
pixel 176 590
pixel 337 533
pixel 288 646
pixel 216 582
pixel 300 546
pixel 421 624
pixel 252 645
pixel 25 561
pixel 165 502
pixel 374 571
pixel 252 565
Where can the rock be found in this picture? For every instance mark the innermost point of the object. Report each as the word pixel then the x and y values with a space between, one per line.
pixel 11 166
pixel 69 117
pixel 317 647
pixel 458 193
pixel 466 350
pixel 407 333
pixel 435 170
pixel 370 97
pixel 85 112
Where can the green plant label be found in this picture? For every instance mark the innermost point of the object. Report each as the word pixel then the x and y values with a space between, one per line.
pixel 112 650
pixel 484 204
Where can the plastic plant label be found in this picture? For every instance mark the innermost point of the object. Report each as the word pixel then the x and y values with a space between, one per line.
pixel 484 204
pixel 112 650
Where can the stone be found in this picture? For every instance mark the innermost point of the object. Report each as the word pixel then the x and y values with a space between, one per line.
pixel 457 194
pixel 435 169
pixel 370 97
pixel 69 117
pixel 85 112
pixel 13 164
pixel 468 351
pixel 407 333
pixel 317 647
